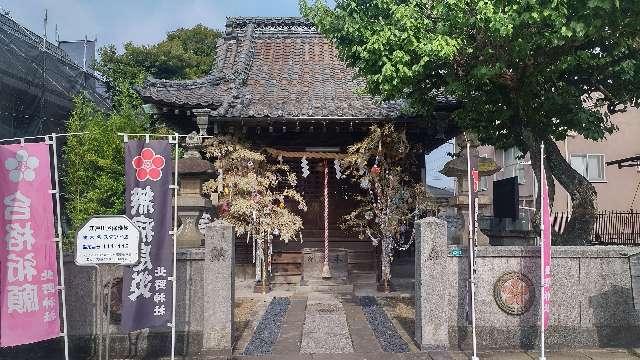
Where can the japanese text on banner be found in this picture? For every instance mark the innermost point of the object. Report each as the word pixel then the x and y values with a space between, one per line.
pixel 28 253
pixel 147 293
pixel 545 250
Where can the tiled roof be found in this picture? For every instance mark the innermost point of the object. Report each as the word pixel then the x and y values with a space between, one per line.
pixel 206 92
pixel 273 67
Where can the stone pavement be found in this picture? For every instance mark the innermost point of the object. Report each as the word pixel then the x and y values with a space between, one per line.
pixel 323 326
pixel 599 354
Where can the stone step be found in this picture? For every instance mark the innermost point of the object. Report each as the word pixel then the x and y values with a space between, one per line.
pixel 345 288
pixel 325 282
pixel 363 277
pixel 361 256
pixel 362 266
pixel 286 279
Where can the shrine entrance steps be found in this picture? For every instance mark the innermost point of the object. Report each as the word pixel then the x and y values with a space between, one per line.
pixel 286 267
pixel 302 270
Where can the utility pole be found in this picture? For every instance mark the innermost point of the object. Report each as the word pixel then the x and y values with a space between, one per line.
pixel 84 55
pixel 44 38
pixel 43 89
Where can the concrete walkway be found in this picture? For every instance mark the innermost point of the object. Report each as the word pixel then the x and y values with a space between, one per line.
pixel 325 326
pixel 322 326
pixel 600 354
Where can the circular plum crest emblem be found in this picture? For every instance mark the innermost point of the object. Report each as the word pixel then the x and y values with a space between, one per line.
pixel 514 293
pixel 148 165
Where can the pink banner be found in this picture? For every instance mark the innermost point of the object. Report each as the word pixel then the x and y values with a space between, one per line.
pixel 545 246
pixel 29 275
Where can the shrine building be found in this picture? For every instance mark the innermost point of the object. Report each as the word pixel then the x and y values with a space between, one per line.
pixel 280 84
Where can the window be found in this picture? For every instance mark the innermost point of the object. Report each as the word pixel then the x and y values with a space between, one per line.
pixel 591 166
pixel 513 164
pixel 484 183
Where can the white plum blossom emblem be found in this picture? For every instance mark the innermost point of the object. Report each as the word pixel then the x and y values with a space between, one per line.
pixel 22 167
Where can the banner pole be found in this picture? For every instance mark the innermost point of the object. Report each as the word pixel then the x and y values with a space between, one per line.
pixel 472 249
pixel 175 240
pixel 542 254
pixel 59 241
pixel 99 322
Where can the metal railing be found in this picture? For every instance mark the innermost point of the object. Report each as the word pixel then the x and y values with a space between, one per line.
pixel 617 228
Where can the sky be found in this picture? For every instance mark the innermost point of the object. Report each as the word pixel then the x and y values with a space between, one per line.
pixel 148 21
pixel 140 21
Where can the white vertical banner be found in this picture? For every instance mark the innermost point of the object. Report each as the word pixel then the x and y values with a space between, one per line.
pixel 473 181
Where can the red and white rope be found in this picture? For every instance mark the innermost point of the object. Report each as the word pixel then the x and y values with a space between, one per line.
pixel 326 212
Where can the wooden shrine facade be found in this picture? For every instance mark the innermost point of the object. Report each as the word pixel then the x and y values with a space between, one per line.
pixel 279 83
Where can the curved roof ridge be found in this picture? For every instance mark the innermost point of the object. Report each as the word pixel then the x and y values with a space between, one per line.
pixel 236 22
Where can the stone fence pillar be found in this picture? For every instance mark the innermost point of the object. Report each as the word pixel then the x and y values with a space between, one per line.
pixel 219 284
pixel 432 328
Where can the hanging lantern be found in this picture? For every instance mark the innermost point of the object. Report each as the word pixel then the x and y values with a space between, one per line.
pixel 375 170
pixel 224 208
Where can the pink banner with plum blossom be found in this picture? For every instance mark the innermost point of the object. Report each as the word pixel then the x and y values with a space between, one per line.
pixel 29 272
pixel 545 247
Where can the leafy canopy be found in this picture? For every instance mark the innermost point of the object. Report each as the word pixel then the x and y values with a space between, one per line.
pixel 93 163
pixel 184 54
pixel 513 65
pixel 93 173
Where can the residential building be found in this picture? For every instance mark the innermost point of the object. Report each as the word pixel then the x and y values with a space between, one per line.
pixel 616 187
pixel 37 83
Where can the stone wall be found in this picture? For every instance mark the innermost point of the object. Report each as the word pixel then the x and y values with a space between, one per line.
pixel 592 301
pixel 83 325
pixel 200 271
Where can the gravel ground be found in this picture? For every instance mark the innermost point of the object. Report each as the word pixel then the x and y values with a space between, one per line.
pixel 403 310
pixel 386 333
pixel 244 311
pixel 267 331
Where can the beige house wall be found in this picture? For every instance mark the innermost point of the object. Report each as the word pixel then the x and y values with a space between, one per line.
pixel 617 189
pixel 614 193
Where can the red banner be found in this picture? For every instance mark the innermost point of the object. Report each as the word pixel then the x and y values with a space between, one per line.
pixel 29 272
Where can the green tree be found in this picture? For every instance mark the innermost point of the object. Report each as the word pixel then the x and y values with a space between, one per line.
pixel 93 174
pixel 184 54
pixel 93 163
pixel 523 72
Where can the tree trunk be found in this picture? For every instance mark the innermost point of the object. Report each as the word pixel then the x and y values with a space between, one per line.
pixel 583 193
pixel 534 155
pixel 583 197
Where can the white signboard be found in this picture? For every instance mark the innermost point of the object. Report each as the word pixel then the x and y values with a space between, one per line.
pixel 108 240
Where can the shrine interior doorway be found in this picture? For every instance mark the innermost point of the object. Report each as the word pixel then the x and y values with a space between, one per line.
pixel 356 257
